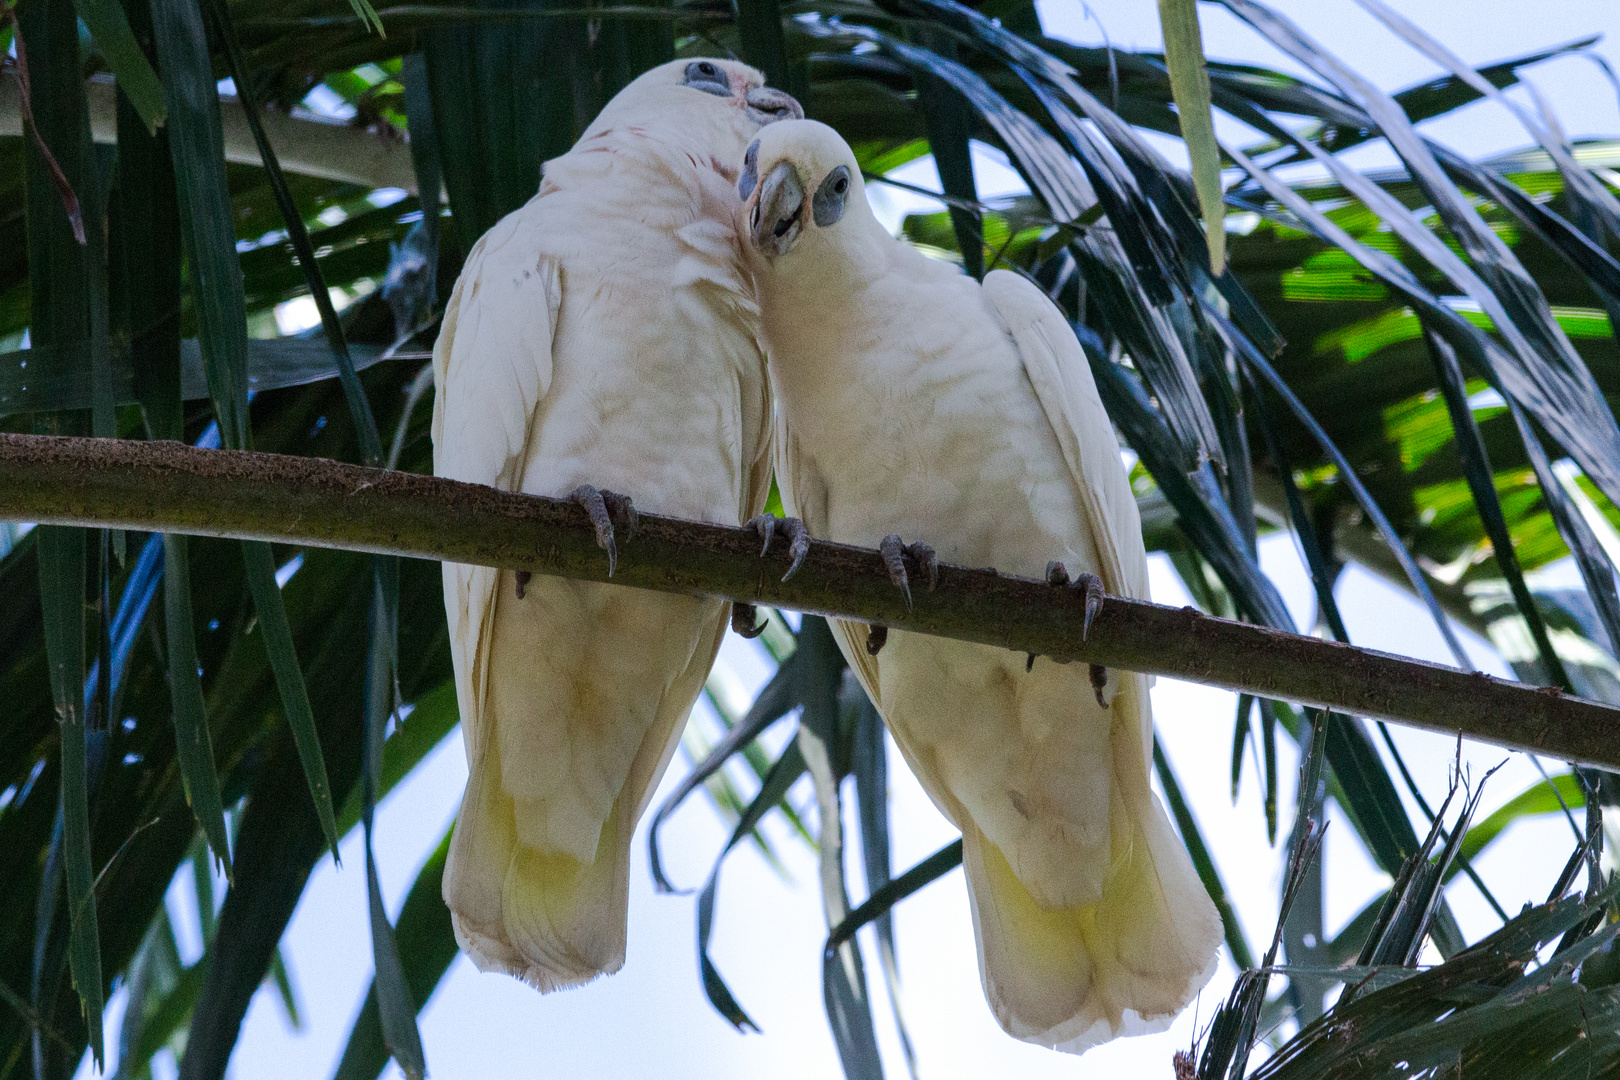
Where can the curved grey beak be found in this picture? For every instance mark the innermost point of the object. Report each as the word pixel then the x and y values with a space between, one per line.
pixel 779 214
pixel 769 105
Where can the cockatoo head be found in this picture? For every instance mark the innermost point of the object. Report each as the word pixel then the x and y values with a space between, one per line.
pixel 721 98
pixel 803 199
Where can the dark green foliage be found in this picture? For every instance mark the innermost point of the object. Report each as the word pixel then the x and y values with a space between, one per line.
pixel 67 292
pixel 61 554
pixel 1208 873
pixel 825 740
pixel 1333 297
pixel 427 945
pixel 194 751
pixel 509 96
pixel 206 219
pixel 883 899
pixel 784 773
pixel 1491 1010
pixel 281 836
pixel 248 733
pixel 144 259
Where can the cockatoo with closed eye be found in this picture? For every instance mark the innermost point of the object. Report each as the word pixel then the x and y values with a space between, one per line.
pixel 601 337
pixel 912 400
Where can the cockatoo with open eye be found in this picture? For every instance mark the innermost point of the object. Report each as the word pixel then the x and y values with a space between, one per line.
pixel 913 400
pixel 603 336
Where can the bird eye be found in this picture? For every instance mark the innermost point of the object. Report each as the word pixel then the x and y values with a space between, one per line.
pixel 706 76
pixel 750 173
pixel 827 207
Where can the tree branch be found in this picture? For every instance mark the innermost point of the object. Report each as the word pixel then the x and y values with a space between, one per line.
pixel 161 486
pixel 307 147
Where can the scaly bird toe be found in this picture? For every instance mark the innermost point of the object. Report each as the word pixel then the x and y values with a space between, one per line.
pixel 623 513
pixel 1099 680
pixel 798 544
pixel 927 561
pixel 523 577
pixel 745 621
pixel 766 526
pixel 1091 585
pixel 1057 576
pixel 596 507
pixel 877 635
pixel 893 552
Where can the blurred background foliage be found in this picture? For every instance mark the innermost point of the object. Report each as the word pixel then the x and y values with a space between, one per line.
pixel 1413 370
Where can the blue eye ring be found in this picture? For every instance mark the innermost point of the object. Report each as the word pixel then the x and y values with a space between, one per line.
pixel 827 207
pixel 708 77
pixel 750 171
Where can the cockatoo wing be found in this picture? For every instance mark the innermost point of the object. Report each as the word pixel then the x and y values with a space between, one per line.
pixel 571 699
pixel 1127 964
pixel 1057 369
pixel 804 495
pixel 491 367
pixel 757 489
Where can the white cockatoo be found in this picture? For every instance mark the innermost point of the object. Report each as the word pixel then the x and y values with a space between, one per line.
pixel 604 334
pixel 913 400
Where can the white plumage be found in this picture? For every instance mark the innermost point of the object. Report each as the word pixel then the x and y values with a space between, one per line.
pixel 604 334
pixel 913 400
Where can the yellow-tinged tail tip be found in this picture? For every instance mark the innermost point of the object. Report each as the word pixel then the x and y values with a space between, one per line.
pixel 546 918
pixel 1072 978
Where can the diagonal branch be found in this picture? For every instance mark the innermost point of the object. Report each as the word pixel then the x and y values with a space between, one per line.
pixel 306 146
pixel 161 486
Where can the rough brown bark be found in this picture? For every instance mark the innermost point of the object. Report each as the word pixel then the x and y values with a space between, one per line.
pixel 158 486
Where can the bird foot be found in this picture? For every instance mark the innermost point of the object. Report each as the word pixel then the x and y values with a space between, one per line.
pixel 745 621
pixel 523 577
pixel 766 526
pixel 1091 587
pixel 877 635
pixel 607 509
pixel 1089 584
pixel 894 552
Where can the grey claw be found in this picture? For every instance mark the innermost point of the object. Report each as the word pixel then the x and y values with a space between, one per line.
pixel 1089 584
pixel 624 514
pixel 798 546
pixel 1099 679
pixel 603 507
pixel 523 577
pixel 892 551
pixel 927 560
pixel 745 621
pixel 1057 576
pixel 1092 586
pixel 877 636
pixel 794 529
pixel 765 526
